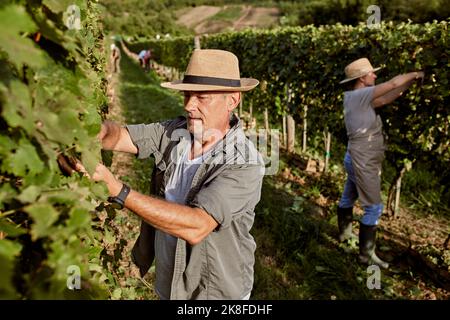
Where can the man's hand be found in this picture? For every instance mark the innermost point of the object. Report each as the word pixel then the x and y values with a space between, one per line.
pixel 114 137
pixel 420 75
pixel 102 174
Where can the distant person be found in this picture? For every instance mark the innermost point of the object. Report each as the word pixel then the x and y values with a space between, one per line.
pixel 365 151
pixel 115 58
pixel 144 59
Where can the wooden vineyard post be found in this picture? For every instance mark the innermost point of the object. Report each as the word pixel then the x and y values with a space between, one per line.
pixel 197 42
pixel 266 123
pixel 327 138
pixel 305 125
pixel 290 133
pixel 398 185
pixel 285 129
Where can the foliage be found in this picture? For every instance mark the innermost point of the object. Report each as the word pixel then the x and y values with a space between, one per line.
pixel 139 19
pixel 309 61
pixel 51 98
pixel 351 12
pixel 135 19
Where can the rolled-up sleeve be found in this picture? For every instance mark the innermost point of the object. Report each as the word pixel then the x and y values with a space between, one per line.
pixel 366 95
pixel 232 193
pixel 146 138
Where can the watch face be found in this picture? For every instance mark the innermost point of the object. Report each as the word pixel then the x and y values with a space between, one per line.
pixel 113 202
pixel 116 205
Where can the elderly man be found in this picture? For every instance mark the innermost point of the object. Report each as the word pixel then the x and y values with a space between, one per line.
pixel 206 183
pixel 365 151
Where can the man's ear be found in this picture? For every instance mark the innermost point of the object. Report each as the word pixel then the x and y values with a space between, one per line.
pixel 233 100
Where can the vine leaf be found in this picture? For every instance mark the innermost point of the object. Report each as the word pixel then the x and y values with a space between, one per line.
pixel 25 161
pixel 10 229
pixel 57 6
pixel 79 218
pixel 44 215
pixel 30 194
pixel 17 110
pixel 8 250
pixel 13 21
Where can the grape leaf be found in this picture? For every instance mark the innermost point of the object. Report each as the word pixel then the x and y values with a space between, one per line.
pixel 17 110
pixel 9 248
pixel 10 229
pixel 25 158
pixel 79 218
pixel 13 21
pixel 44 215
pixel 30 194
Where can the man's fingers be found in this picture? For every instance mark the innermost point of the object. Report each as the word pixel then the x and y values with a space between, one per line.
pixel 80 168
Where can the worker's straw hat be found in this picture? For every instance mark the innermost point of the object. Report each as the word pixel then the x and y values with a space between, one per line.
pixel 212 70
pixel 358 69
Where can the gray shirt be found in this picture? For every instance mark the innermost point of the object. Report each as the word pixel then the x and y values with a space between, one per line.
pixel 227 186
pixel 361 121
pixel 176 191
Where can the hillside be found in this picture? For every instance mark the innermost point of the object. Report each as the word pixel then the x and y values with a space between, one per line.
pixel 213 19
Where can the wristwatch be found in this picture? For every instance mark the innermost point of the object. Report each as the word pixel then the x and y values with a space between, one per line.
pixel 118 201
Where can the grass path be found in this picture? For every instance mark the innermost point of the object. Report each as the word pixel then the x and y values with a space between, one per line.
pixel 135 97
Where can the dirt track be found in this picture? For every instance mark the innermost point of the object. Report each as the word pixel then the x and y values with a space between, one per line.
pixel 198 19
pixel 257 17
pixel 197 15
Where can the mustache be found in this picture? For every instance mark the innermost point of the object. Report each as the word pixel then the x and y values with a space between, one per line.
pixel 194 117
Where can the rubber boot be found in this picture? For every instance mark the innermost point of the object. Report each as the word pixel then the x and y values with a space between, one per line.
pixel 345 218
pixel 367 237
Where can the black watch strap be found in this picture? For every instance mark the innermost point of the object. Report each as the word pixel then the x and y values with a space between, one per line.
pixel 120 198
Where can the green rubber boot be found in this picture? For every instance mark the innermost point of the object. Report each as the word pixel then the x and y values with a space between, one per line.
pixel 345 218
pixel 367 237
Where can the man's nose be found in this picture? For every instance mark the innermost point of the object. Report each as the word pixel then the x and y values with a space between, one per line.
pixel 190 104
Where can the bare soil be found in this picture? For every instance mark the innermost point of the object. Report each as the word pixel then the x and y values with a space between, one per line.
pixel 198 19
pixel 197 15
pixel 257 18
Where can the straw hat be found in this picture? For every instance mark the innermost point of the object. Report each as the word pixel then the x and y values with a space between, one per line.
pixel 357 69
pixel 212 70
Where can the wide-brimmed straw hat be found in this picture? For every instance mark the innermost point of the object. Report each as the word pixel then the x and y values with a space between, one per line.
pixel 357 69
pixel 212 70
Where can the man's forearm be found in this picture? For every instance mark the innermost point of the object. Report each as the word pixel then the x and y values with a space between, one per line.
pixel 190 224
pixel 403 80
pixel 114 137
pixel 394 94
pixel 111 135
pixel 398 82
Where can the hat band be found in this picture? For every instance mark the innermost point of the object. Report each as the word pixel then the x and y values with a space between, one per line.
pixel 211 81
